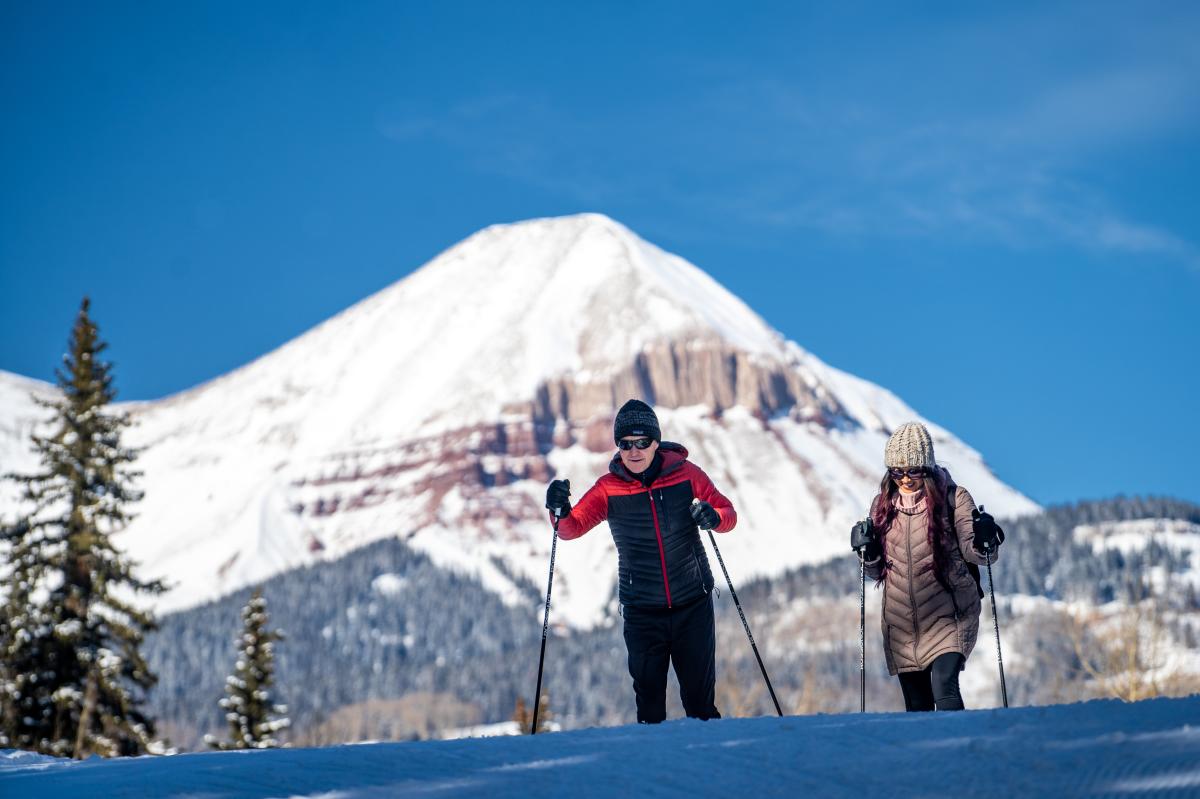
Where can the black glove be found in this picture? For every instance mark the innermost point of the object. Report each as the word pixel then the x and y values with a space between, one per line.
pixel 864 539
pixel 704 514
pixel 988 535
pixel 558 496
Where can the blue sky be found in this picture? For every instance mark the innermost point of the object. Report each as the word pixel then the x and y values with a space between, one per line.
pixel 992 210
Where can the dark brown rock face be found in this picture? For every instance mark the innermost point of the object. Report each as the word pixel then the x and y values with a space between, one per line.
pixel 564 412
pixel 674 374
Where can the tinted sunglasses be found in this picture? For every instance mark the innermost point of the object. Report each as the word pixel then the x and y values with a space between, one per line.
pixel 898 473
pixel 640 443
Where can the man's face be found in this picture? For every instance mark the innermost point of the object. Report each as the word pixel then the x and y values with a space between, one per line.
pixel 637 460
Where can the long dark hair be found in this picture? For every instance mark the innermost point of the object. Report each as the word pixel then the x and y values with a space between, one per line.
pixel 937 482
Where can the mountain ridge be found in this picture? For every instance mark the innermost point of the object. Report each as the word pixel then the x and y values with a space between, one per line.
pixel 436 409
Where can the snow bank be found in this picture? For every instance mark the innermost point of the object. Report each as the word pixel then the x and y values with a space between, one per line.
pixel 1101 748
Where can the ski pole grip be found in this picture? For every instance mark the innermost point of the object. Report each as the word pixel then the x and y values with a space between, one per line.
pixel 987 547
pixel 558 514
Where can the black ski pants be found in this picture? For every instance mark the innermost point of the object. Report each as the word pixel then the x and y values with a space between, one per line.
pixel 935 686
pixel 685 637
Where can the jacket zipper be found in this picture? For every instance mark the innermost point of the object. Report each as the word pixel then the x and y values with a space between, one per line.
pixel 662 503
pixel 912 594
pixel 662 554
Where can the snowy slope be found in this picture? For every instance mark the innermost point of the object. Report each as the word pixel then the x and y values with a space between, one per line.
pixel 1180 537
pixel 1103 749
pixel 438 408
pixel 20 417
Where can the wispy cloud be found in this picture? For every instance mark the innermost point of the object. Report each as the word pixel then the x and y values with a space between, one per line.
pixel 1009 176
pixel 519 137
pixel 1102 111
pixel 848 158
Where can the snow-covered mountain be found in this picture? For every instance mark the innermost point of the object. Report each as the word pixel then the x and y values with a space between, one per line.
pixel 438 408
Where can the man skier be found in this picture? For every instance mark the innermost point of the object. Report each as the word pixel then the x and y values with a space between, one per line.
pixel 665 582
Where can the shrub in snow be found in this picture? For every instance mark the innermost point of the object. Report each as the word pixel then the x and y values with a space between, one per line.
pixel 253 718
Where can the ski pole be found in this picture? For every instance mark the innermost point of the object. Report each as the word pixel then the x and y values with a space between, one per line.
pixel 996 624
pixel 745 624
pixel 862 633
pixel 537 695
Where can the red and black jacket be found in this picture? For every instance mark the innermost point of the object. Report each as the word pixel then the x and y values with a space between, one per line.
pixel 661 560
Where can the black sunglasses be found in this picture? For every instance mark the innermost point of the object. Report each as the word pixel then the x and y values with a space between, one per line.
pixel 898 473
pixel 640 443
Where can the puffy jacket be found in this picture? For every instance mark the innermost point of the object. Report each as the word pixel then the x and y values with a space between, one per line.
pixel 661 560
pixel 921 618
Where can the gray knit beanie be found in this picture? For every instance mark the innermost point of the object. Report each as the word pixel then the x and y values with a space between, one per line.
pixel 636 418
pixel 910 447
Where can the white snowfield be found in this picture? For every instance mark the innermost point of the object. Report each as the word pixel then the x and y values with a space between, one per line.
pixel 335 439
pixel 1095 749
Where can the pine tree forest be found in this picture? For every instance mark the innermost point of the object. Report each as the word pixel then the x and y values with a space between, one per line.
pixel 444 652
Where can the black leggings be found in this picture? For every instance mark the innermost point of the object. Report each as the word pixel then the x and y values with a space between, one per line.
pixel 935 686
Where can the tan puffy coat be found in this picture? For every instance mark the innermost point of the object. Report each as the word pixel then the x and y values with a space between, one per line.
pixel 921 619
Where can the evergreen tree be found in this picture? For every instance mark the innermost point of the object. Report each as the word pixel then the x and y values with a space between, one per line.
pixel 71 643
pixel 22 654
pixel 248 706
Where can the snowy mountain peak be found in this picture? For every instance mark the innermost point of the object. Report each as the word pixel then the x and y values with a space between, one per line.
pixel 600 277
pixel 491 320
pixel 436 410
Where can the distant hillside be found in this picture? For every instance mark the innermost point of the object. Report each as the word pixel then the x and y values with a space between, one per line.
pixel 384 624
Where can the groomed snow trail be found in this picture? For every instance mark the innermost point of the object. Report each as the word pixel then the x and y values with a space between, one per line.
pixel 1094 749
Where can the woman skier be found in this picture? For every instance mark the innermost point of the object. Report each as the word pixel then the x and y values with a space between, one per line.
pixel 924 540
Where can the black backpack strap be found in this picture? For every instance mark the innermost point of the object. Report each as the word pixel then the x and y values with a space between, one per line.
pixel 952 507
pixel 974 570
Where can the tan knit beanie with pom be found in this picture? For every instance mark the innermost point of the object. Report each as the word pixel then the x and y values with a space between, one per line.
pixel 910 447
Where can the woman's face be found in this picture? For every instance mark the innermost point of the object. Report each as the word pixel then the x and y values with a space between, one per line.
pixel 909 481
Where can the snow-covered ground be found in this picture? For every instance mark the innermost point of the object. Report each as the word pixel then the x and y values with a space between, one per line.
pixel 1093 749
